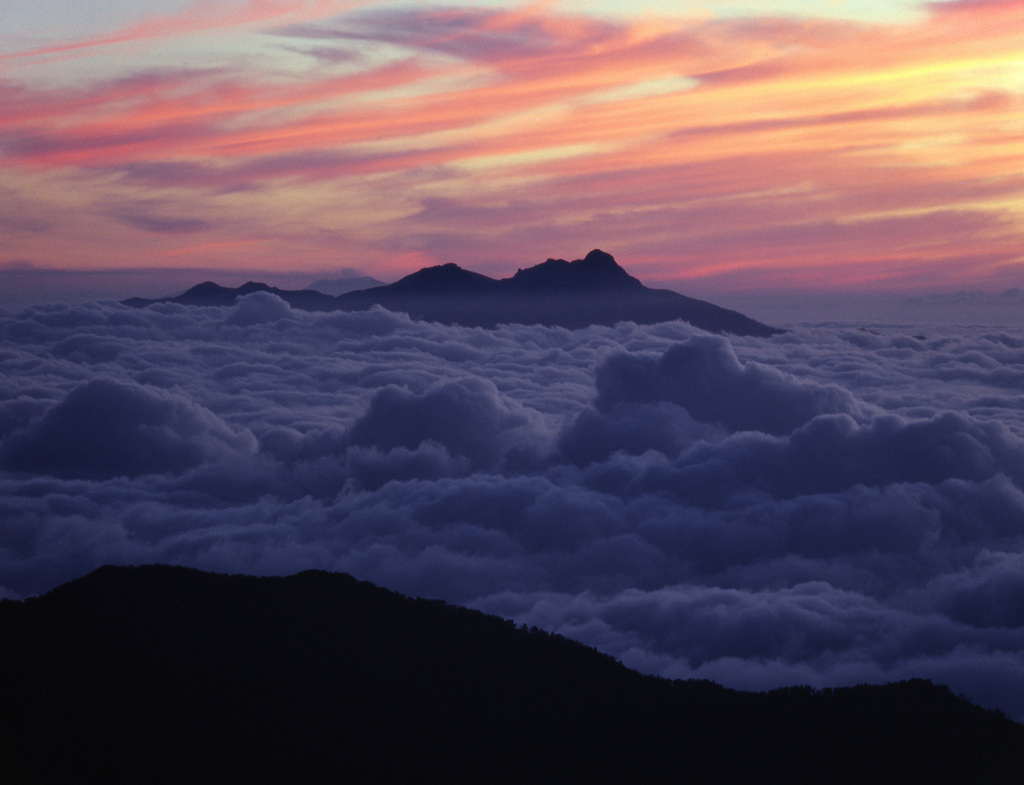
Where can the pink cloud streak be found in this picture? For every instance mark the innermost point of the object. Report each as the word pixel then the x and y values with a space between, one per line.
pixel 799 147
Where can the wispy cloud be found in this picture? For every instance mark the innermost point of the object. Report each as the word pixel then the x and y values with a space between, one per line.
pixel 763 127
pixel 162 223
pixel 199 16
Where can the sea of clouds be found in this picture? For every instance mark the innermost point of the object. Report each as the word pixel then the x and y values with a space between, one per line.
pixel 834 505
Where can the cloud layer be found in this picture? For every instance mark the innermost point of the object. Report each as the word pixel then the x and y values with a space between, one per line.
pixel 829 506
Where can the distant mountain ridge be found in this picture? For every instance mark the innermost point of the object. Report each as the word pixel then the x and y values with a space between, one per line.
pixel 557 293
pixel 343 285
pixel 164 674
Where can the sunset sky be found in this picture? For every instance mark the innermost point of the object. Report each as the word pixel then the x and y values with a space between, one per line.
pixel 861 145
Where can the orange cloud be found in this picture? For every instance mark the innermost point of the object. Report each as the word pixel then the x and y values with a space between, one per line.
pixel 824 151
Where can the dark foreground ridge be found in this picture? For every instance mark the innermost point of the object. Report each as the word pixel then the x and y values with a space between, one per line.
pixel 170 675
pixel 557 293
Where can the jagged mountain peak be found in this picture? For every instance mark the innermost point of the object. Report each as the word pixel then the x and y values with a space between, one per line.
pixel 597 270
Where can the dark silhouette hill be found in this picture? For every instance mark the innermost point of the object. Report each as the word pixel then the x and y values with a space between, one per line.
pixel 592 290
pixel 350 283
pixel 210 293
pixel 170 675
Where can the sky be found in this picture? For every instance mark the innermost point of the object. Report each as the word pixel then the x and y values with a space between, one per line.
pixel 718 148
pixel 833 505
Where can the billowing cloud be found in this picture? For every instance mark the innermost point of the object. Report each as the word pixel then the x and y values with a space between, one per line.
pixel 704 376
pixel 104 429
pixel 829 506
pixel 259 308
pixel 468 418
pixel 834 453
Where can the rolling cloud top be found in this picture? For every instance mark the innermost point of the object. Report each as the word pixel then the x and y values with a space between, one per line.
pixel 831 506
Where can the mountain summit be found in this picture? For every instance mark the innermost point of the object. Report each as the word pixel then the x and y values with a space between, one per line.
pixel 596 271
pixel 557 293
pixel 442 279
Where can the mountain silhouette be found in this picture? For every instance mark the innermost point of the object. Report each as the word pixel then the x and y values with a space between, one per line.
pixel 210 293
pixel 598 271
pixel 557 293
pixel 166 675
pixel 349 283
